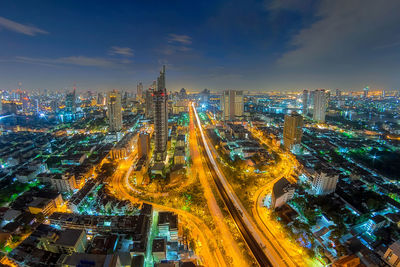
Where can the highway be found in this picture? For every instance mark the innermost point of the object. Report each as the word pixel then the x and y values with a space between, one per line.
pixel 202 169
pixel 266 251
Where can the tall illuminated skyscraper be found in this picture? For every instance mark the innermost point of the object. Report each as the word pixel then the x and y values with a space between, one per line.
pixel 114 111
pixel 70 102
pixel 292 130
pixel 320 103
pixel 305 102
pixel 160 118
pixel 149 103
pixel 232 105
pixel 139 92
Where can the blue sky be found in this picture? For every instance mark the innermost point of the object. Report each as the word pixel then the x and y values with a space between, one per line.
pixel 249 44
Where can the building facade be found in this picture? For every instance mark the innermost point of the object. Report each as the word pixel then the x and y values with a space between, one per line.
pixel 325 183
pixel 232 105
pixel 114 111
pixel 292 130
pixel 320 103
pixel 160 118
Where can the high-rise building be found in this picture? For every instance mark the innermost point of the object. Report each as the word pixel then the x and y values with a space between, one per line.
pixel 305 102
pixel 160 118
pixel 70 102
pixel 143 145
pixel 292 130
pixel 338 92
pixel 366 90
pixel 114 111
pixel 325 183
pixel 139 92
pixel 282 191
pixel 320 103
pixel 232 105
pixel 149 103
pixel 100 99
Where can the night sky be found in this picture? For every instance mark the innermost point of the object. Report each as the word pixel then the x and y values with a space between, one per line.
pixel 248 44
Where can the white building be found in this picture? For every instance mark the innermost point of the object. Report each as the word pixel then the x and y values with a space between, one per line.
pixel 232 105
pixel 320 104
pixel 324 183
pixel 282 192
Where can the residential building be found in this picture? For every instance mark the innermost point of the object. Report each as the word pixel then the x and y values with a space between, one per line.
pixel 139 91
pixel 305 102
pixel 149 104
pixel 114 111
pixel 348 261
pixel 42 205
pixel 64 183
pixel 143 145
pixel 232 105
pixel 320 104
pixel 392 254
pixel 325 182
pixel 292 130
pixel 282 192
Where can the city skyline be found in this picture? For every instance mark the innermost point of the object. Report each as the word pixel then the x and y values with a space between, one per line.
pixel 269 45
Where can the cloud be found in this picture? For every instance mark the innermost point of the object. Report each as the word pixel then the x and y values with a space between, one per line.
pixel 20 28
pixel 180 39
pixel 345 33
pixel 177 43
pixel 77 61
pixel 123 51
pixel 275 5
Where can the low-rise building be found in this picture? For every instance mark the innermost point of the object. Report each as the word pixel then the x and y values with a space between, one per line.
pixel 392 254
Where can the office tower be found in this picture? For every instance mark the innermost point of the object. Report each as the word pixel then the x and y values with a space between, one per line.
pixel 70 102
pixel 338 93
pixel 139 91
pixel 305 102
pixel 232 105
pixel 366 90
pixel 149 103
pixel 383 93
pixel 325 182
pixel 100 99
pixel 114 111
pixel 282 191
pixel 143 145
pixel 292 130
pixel 320 103
pixel 160 118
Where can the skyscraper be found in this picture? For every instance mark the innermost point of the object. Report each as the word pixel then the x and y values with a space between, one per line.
pixel 149 103
pixel 160 118
pixel 232 105
pixel 139 92
pixel 143 145
pixel 366 90
pixel 114 111
pixel 70 102
pixel 320 103
pixel 292 130
pixel 305 102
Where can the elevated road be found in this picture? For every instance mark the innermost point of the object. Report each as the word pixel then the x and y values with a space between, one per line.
pixel 266 251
